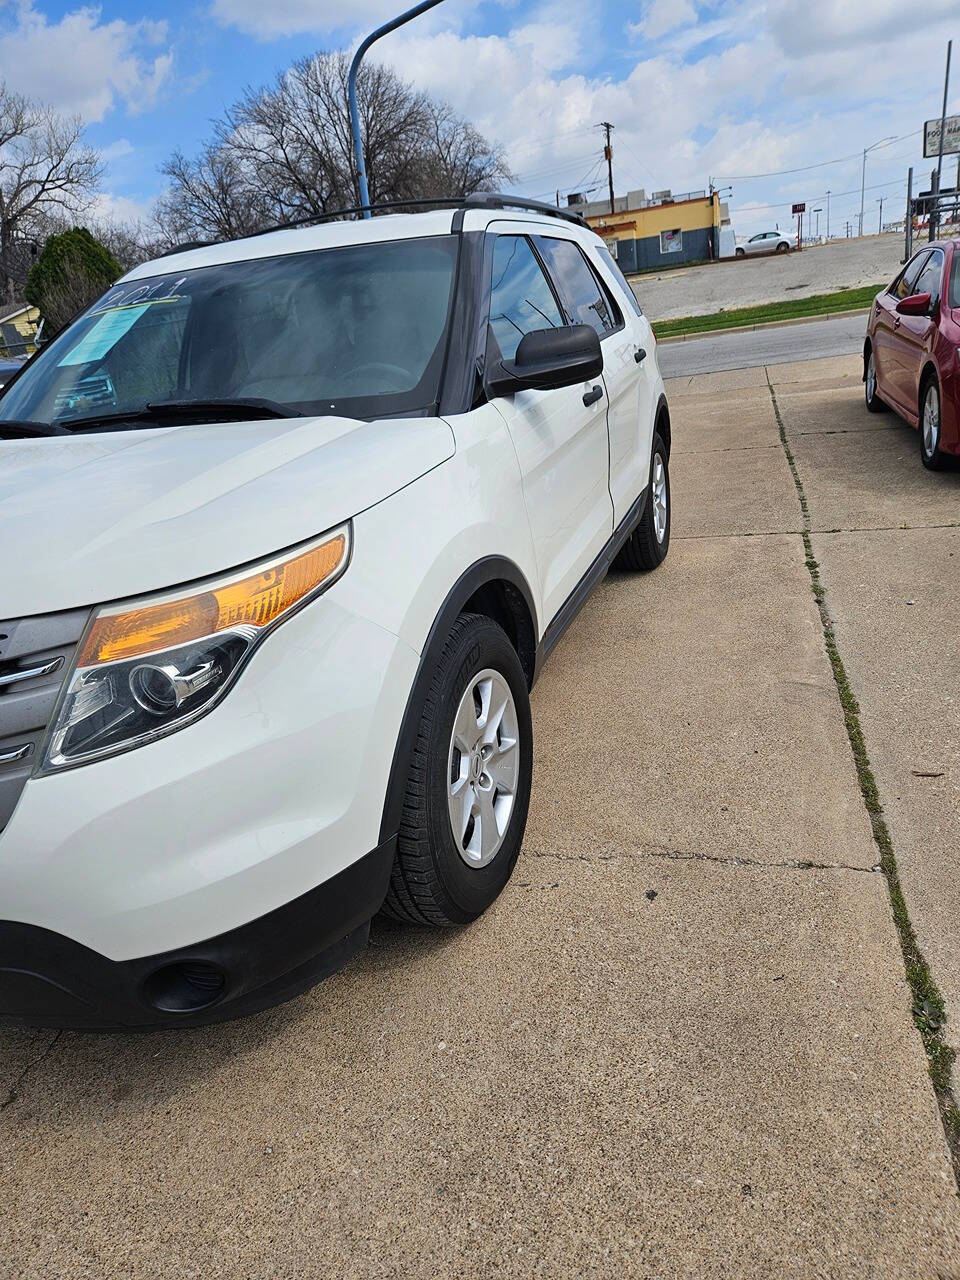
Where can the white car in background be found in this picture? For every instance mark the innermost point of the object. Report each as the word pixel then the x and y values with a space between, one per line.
pixel 766 242
pixel 288 526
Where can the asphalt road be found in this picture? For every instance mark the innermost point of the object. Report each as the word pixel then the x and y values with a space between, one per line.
pixel 841 336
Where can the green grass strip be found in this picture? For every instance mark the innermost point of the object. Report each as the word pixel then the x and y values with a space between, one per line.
pixel 929 1010
pixel 821 304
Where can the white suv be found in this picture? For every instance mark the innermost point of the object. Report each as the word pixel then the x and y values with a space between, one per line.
pixel 287 526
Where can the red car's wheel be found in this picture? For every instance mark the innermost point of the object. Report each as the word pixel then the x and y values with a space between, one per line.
pixel 874 403
pixel 930 425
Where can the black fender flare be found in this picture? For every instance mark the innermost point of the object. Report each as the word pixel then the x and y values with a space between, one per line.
pixel 489 569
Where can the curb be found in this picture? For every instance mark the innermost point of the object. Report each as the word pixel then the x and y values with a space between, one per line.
pixel 753 328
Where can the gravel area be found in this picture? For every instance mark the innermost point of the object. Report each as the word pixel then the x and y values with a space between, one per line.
pixel 744 282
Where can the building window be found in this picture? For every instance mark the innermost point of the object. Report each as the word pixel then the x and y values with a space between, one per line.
pixel 671 241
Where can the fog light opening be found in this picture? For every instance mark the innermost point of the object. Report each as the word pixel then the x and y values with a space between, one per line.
pixel 185 987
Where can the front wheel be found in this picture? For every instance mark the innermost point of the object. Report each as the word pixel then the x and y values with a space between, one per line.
pixel 741 253
pixel 874 403
pixel 468 787
pixel 647 546
pixel 930 451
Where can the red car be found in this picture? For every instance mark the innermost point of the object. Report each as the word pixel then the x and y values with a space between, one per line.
pixel 911 355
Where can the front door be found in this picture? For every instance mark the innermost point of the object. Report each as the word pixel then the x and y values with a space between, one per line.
pixel 914 335
pixel 561 442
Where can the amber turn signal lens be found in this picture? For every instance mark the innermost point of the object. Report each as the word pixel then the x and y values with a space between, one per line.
pixel 253 601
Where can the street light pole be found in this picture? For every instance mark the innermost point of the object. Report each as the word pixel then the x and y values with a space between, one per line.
pixel 828 215
pixel 935 210
pixel 863 176
pixel 352 92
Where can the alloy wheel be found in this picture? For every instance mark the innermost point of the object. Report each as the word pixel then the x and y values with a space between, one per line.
pixel 871 378
pixel 659 487
pixel 931 420
pixel 483 768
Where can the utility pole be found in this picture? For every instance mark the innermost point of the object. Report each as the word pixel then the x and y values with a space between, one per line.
pixel 935 207
pixel 880 225
pixel 817 231
pixel 908 224
pixel 828 215
pixel 608 128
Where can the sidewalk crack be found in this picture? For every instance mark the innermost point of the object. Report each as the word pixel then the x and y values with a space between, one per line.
pixel 14 1092
pixel 929 1009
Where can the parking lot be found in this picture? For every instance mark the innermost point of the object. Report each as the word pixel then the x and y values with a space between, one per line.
pixel 722 286
pixel 681 1043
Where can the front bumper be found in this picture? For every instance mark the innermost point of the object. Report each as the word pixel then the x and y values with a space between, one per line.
pixel 112 871
pixel 48 980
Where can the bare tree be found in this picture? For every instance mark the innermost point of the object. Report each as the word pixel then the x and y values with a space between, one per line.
pixel 209 198
pixel 286 151
pixel 44 168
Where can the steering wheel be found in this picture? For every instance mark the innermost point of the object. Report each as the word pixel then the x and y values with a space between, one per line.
pixel 401 377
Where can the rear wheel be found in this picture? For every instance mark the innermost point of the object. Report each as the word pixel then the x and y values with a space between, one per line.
pixel 647 546
pixel 783 247
pixel 874 403
pixel 468 789
pixel 930 426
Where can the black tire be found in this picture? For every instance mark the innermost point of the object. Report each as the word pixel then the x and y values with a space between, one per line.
pixel 431 882
pixel 783 247
pixel 645 549
pixel 741 253
pixel 870 392
pixel 933 458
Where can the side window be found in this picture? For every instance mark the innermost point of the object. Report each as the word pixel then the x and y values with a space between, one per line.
pixel 928 281
pixel 521 300
pixel 903 286
pixel 583 299
pixel 613 267
pixel 954 295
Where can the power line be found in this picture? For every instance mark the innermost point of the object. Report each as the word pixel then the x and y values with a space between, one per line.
pixel 779 173
pixel 834 195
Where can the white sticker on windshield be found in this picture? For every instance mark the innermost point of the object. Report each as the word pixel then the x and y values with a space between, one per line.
pixel 105 334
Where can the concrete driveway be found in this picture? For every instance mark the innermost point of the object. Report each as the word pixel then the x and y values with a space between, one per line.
pixel 681 1043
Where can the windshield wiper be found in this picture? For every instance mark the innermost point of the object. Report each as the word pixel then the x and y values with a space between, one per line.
pixel 15 430
pixel 252 407
pixel 186 410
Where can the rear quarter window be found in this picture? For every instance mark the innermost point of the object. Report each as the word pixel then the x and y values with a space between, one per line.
pixel 611 264
pixel 953 297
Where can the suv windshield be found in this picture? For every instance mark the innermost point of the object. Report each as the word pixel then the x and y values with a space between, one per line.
pixel 357 331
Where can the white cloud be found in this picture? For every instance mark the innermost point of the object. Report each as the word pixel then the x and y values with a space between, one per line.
pixel 278 18
pixel 81 64
pixel 661 16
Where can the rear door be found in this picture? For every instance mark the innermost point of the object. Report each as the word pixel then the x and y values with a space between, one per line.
pixel 561 442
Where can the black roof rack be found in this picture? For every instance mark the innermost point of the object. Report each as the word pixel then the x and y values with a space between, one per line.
pixel 460 204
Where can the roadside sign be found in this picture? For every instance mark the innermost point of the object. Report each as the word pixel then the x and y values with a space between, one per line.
pixel 951 137
pixel 800 208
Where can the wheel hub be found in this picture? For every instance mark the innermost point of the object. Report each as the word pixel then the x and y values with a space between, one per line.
pixel 483 768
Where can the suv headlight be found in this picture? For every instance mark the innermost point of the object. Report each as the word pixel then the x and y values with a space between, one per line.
pixel 149 666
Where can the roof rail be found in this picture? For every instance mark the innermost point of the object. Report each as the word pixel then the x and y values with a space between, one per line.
pixel 462 204
pixel 496 200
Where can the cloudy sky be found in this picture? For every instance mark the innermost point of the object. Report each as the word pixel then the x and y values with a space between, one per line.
pixel 697 89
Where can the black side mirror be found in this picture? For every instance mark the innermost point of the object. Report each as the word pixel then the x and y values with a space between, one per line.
pixel 549 358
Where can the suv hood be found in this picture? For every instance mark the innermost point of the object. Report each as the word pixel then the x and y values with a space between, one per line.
pixel 90 518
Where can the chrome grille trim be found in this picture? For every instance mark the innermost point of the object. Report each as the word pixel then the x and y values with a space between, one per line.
pixel 35 655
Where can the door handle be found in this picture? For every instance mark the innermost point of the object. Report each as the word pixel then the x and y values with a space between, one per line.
pixel 592 396
pixel 639 355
